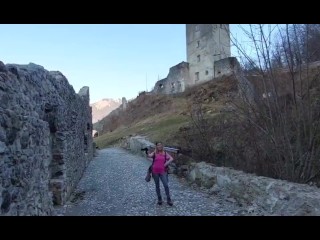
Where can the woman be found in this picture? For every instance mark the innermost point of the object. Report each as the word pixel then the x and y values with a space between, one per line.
pixel 159 171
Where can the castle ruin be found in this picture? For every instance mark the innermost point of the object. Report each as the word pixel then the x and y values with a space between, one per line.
pixel 208 57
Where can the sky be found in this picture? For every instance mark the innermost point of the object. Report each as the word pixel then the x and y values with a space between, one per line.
pixel 114 60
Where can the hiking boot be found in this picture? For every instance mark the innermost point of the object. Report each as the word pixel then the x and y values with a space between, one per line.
pixel 159 201
pixel 169 202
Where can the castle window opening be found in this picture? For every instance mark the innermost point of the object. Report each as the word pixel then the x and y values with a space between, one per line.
pixel 198 58
pixel 207 72
pixel 198 44
pixel 197 76
pixel 161 85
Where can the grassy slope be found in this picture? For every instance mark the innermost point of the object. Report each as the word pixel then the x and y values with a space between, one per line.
pixel 165 125
pixel 158 127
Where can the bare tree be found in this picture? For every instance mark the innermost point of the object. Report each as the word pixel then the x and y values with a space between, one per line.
pixel 285 116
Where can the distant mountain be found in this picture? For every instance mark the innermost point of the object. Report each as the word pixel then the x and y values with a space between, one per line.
pixel 103 107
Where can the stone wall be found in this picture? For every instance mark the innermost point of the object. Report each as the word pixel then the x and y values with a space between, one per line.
pixel 276 197
pixel 226 66
pixel 176 80
pixel 124 103
pixel 45 139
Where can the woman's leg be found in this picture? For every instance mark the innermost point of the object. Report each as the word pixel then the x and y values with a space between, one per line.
pixel 164 181
pixel 157 182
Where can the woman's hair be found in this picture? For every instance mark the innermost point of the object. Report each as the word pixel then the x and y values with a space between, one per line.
pixel 156 150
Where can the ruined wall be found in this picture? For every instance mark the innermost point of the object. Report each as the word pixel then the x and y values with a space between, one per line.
pixel 176 80
pixel 124 103
pixel 206 43
pixel 45 139
pixel 208 56
pixel 226 66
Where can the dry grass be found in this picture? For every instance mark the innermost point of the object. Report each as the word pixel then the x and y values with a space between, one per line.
pixel 163 128
pixel 160 117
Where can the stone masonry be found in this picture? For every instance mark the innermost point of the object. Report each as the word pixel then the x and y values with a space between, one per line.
pixel 208 57
pixel 175 81
pixel 206 44
pixel 45 139
pixel 275 197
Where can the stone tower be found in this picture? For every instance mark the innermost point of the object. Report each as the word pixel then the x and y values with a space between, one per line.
pixel 206 44
pixel 124 103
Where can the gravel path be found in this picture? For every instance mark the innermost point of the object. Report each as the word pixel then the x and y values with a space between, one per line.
pixel 114 185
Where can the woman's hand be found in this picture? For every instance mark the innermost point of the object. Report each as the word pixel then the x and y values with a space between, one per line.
pixel 168 162
pixel 150 155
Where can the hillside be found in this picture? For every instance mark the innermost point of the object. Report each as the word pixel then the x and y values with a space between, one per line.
pixel 258 133
pixel 103 107
pixel 162 117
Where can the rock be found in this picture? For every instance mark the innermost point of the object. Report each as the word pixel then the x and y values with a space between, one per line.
pixel 214 190
pixel 232 200
pixel 182 171
pixel 202 175
pixel 3 148
pixel 184 168
pixel 192 175
pixel 173 165
pixel 252 210
pixel 223 181
pixel 172 170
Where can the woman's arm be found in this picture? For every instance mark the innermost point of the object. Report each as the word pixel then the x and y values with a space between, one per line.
pixel 169 160
pixel 150 155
